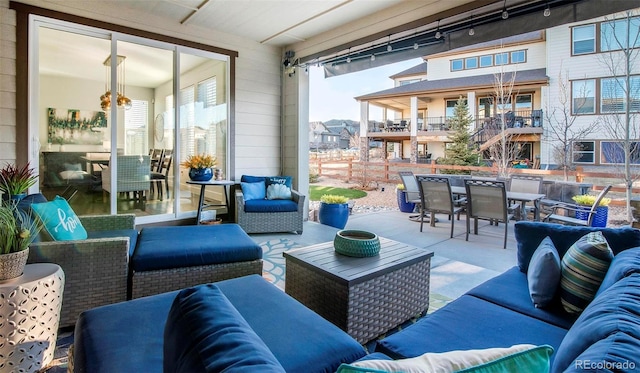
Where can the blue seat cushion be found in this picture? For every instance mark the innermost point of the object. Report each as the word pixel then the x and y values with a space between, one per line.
pixel 192 245
pixel 128 336
pixel 270 205
pixel 131 233
pixel 470 323
pixel 529 234
pixel 510 290
pixel 608 330
pixel 205 333
pixel 313 344
pixel 622 265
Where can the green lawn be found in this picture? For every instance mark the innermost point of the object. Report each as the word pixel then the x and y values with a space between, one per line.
pixel 316 191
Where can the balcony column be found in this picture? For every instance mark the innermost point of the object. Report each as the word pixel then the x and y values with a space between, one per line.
pixel 364 129
pixel 473 110
pixel 414 129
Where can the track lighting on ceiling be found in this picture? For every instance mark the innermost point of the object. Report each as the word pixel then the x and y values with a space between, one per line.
pixel 505 14
pixel 471 29
pixel 415 45
pixel 438 34
pixel 373 57
pixel 389 47
pixel 547 11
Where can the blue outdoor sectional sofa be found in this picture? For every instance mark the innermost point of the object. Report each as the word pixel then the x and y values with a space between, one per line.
pixel 247 324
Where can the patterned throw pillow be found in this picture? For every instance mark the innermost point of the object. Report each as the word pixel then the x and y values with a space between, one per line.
pixel 583 268
pixel 278 187
pixel 59 220
pixel 543 275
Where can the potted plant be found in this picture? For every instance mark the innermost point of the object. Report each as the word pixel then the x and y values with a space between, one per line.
pixel 15 181
pixel 401 196
pixel 334 210
pixel 17 231
pixel 200 166
pixel 602 211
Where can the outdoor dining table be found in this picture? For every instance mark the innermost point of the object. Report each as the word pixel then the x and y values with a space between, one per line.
pixel 521 197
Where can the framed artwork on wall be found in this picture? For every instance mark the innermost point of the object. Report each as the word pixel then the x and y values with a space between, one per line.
pixel 73 126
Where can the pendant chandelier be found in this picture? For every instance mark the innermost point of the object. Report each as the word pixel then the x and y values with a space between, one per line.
pixel 122 100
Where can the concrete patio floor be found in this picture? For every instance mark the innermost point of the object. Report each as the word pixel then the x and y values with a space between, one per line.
pixel 457 265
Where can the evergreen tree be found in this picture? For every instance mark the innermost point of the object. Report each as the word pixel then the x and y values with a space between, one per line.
pixel 461 151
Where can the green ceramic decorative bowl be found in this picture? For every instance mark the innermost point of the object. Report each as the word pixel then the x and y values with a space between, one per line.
pixel 356 243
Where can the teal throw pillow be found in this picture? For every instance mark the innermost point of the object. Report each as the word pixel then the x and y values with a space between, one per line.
pixel 59 220
pixel 253 190
pixel 278 187
pixel 584 266
pixel 543 275
pixel 517 358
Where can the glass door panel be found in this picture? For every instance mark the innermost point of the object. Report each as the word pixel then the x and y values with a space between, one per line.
pixel 72 129
pixel 202 125
pixel 143 140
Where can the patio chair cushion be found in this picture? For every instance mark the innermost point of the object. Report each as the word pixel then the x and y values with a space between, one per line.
pixel 583 268
pixel 131 233
pixel 544 273
pixel 266 205
pixel 203 328
pixel 194 245
pixel 253 191
pixel 59 220
pixel 607 331
pixel 529 234
pixel 622 265
pixel 470 323
pixel 514 284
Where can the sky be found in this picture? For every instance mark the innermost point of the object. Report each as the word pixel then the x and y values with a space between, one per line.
pixel 333 98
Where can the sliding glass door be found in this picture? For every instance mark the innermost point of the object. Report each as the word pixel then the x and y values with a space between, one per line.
pixel 115 116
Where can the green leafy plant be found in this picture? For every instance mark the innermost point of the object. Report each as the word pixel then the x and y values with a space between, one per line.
pixel 17 229
pixel 333 199
pixel 16 180
pixel 589 200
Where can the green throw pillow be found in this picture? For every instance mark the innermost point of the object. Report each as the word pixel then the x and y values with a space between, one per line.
pixel 583 268
pixel 59 220
pixel 518 358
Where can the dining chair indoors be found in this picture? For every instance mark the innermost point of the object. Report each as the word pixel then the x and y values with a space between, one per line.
pixel 162 173
pixel 435 196
pixel 571 209
pixel 487 200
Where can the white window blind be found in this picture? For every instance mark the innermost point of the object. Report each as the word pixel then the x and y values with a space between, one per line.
pixel 136 121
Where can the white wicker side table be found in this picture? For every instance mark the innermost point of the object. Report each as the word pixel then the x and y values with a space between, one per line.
pixel 29 318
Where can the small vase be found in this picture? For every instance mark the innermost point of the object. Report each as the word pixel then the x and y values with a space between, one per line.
pixel 12 264
pixel 200 174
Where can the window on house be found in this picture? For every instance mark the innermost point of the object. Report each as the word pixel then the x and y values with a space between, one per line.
pixel 583 96
pixel 583 39
pixel 486 61
pixel 502 58
pixel 614 34
pixel 457 65
pixel 524 103
pixel 612 152
pixel 485 107
pixel 136 122
pixel 471 63
pixel 583 151
pixel 612 95
pixel 518 56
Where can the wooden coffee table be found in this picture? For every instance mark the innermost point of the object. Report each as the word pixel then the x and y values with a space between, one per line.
pixel 365 297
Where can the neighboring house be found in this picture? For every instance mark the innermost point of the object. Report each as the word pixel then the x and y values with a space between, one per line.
pixel 537 59
pixel 334 134
pixel 469 72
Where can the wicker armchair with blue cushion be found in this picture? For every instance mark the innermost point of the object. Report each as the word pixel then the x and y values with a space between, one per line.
pixel 95 268
pixel 268 204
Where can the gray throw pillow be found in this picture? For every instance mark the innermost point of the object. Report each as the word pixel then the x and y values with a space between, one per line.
pixel 544 273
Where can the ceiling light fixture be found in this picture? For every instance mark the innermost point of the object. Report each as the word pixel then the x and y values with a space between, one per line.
pixel 438 34
pixel 505 14
pixel 389 47
pixel 121 100
pixel 416 45
pixel 472 31
pixel 547 11
pixel 373 57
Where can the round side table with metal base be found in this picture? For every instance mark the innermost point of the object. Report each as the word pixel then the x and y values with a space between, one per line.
pixel 29 318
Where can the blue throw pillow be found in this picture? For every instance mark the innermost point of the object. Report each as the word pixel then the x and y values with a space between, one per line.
pixel 59 220
pixel 253 190
pixel 543 275
pixel 251 179
pixel 278 187
pixel 205 333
